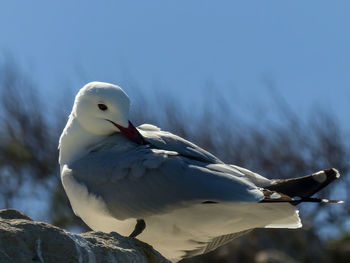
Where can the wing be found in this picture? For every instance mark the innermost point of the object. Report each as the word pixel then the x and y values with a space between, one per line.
pixel 168 141
pixel 137 181
pixel 171 142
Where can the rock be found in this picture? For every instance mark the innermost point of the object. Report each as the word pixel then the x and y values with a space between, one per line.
pixel 24 240
pixel 13 214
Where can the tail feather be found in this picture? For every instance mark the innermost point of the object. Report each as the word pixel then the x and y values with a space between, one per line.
pixel 297 190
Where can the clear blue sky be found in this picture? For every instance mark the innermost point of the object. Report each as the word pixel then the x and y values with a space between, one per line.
pixel 303 46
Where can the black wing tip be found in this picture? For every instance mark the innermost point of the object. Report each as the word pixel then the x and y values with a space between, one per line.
pixel 316 200
pixel 332 201
pixel 326 176
pixel 332 172
pixel 304 187
pixel 275 197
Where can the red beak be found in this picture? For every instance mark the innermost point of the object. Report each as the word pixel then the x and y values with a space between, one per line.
pixel 131 132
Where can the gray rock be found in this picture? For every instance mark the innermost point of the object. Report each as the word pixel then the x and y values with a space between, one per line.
pixel 24 240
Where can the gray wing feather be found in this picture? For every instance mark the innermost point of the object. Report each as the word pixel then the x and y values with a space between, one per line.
pixel 139 181
pixel 168 141
pixel 257 179
pixel 171 142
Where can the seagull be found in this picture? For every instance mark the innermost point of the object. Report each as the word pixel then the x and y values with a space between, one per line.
pixel 166 191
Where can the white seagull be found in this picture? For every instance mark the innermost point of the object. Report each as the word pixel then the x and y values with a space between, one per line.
pixel 165 190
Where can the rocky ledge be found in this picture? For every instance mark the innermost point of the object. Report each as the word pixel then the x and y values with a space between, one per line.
pixel 24 240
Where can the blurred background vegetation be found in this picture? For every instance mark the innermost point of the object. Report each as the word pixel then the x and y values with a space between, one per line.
pixel 290 147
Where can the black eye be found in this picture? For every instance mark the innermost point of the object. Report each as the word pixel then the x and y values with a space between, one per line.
pixel 102 107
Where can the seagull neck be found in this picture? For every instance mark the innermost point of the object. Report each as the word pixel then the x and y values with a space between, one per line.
pixel 75 142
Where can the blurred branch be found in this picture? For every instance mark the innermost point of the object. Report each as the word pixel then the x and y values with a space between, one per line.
pixel 28 143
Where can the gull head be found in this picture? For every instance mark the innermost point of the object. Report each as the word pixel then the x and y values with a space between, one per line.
pixel 101 108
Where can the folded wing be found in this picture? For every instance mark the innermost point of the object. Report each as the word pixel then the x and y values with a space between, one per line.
pixel 138 181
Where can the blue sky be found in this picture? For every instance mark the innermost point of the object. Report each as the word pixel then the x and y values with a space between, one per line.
pixel 184 45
